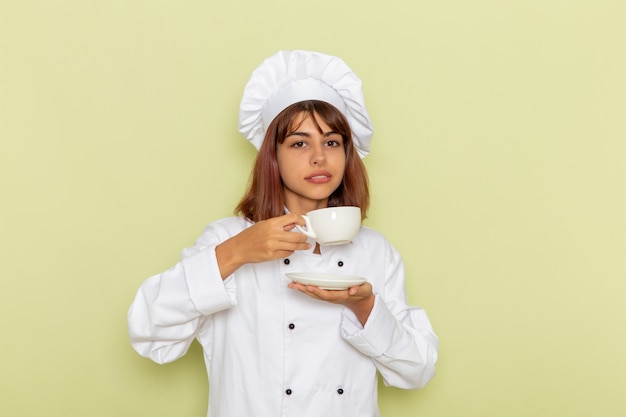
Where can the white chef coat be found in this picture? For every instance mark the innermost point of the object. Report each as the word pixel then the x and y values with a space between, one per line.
pixel 272 351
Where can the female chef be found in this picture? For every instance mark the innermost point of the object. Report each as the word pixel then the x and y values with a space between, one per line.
pixel 273 347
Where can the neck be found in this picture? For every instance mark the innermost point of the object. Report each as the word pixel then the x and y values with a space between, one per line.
pixel 302 207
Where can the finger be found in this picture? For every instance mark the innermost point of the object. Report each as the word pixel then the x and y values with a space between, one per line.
pixel 282 254
pixel 290 219
pixel 286 249
pixel 303 246
pixel 294 247
pixel 363 290
pixel 292 237
pixel 315 292
pixel 297 286
pixel 333 296
pixel 310 290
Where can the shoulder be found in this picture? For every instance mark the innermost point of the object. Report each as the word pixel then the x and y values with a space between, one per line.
pixel 233 222
pixel 226 227
pixel 371 235
pixel 371 240
pixel 217 232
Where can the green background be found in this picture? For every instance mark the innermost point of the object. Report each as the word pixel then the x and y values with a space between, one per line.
pixel 497 170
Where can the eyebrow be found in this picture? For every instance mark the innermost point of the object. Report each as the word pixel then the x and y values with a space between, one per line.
pixel 305 134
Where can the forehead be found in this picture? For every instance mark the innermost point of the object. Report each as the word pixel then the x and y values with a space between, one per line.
pixel 314 118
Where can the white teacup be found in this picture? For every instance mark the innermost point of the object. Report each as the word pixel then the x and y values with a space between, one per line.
pixel 332 225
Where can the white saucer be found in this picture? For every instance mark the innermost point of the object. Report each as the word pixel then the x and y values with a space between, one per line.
pixel 326 281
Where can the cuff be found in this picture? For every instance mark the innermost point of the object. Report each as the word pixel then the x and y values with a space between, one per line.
pixel 374 338
pixel 208 292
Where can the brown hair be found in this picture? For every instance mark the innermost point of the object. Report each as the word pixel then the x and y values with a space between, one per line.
pixel 264 198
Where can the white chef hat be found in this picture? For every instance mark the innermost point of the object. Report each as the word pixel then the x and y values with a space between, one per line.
pixel 289 77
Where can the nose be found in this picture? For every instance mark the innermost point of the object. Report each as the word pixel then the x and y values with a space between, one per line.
pixel 318 156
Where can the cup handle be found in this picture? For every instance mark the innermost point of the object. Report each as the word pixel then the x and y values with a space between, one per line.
pixel 308 229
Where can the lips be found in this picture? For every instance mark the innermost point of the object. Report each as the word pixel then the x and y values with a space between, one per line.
pixel 320 177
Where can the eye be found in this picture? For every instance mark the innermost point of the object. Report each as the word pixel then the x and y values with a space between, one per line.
pixel 333 143
pixel 298 144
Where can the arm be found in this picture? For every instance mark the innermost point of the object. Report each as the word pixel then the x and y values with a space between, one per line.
pixel 359 299
pixel 170 308
pixel 398 338
pixel 264 241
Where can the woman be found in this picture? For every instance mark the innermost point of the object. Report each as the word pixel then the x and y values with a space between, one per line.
pixel 274 347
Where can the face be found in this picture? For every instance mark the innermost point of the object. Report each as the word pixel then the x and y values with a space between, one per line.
pixel 311 164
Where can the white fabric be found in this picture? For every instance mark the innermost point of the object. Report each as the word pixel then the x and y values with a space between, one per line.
pixel 288 77
pixel 328 360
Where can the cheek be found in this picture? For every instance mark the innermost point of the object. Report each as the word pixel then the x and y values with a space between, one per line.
pixel 287 169
pixel 281 162
pixel 282 169
pixel 339 160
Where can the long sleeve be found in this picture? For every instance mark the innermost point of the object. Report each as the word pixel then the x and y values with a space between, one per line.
pixel 397 337
pixel 170 308
pixel 272 351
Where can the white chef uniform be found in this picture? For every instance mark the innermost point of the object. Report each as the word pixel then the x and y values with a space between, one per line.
pixel 272 351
